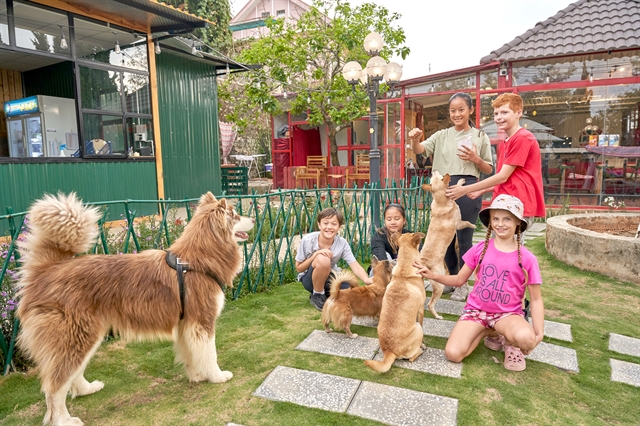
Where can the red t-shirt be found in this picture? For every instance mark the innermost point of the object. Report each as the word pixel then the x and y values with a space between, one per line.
pixel 522 151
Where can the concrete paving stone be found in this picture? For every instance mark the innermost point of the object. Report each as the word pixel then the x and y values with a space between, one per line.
pixel 444 306
pixel 365 321
pixel 557 330
pixel 431 361
pixel 308 388
pixel 436 327
pixel 396 406
pixel 558 356
pixel 340 344
pixel 624 344
pixel 625 372
pixel 233 424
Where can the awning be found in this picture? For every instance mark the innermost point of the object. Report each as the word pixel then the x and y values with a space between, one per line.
pixel 147 16
pixel 615 151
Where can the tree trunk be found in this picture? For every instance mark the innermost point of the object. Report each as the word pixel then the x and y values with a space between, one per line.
pixel 333 144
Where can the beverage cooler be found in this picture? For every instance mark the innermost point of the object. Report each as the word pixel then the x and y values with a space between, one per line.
pixel 42 126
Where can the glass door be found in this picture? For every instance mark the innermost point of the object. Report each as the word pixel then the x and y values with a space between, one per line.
pixel 34 137
pixel 16 137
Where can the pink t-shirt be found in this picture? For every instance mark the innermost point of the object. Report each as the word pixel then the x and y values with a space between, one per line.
pixel 499 283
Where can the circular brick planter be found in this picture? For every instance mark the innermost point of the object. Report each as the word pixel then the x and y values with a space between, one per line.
pixel 610 255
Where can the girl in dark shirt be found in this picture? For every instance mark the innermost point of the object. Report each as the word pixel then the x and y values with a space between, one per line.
pixel 394 221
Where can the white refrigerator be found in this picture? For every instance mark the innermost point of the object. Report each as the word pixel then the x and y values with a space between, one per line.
pixel 41 126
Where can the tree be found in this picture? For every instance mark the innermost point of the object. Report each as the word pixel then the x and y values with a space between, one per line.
pixel 217 11
pixel 305 59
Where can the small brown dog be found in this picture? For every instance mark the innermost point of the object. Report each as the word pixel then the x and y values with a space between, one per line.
pixel 445 221
pixel 365 301
pixel 400 327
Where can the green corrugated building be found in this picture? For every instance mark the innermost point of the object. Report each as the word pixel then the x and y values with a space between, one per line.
pixel 113 100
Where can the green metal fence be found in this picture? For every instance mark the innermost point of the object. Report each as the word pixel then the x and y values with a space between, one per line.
pixel 281 219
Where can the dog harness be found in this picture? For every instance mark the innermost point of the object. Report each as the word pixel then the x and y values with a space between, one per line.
pixel 181 268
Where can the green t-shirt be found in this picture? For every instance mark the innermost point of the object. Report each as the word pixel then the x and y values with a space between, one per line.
pixel 443 146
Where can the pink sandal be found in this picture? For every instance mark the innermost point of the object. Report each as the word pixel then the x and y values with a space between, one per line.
pixel 513 359
pixel 495 343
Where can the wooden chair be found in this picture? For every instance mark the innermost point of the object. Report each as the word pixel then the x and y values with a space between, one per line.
pixel 316 168
pixel 361 170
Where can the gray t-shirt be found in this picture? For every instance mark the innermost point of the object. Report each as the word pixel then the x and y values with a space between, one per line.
pixel 340 249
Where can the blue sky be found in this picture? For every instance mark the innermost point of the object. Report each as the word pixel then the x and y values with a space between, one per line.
pixel 455 34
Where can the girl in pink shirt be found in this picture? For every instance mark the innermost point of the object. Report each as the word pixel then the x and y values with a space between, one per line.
pixel 504 270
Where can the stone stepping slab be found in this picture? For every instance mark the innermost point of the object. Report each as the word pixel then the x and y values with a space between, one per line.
pixel 444 306
pixel 443 328
pixel 624 344
pixel 625 372
pixel 386 404
pixel 432 361
pixel 558 356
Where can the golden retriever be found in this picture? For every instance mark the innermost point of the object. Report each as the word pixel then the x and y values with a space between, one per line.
pixel 68 302
pixel 366 300
pixel 400 327
pixel 445 221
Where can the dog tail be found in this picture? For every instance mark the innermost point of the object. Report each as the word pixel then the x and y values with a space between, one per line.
pixel 384 365
pixel 342 277
pixel 58 229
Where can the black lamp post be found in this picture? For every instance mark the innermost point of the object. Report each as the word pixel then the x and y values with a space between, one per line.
pixel 376 70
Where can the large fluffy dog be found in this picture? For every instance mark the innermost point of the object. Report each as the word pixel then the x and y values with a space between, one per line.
pixel 445 221
pixel 400 327
pixel 69 303
pixel 364 301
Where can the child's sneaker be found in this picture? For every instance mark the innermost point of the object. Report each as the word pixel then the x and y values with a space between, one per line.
pixel 494 343
pixel 317 300
pixel 514 359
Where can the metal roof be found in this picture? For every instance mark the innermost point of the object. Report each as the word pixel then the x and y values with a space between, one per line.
pixel 582 27
pixel 149 15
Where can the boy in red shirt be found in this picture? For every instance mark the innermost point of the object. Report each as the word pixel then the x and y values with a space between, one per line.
pixel 519 166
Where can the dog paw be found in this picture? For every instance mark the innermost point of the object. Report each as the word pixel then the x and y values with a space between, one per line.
pixel 423 346
pixel 461 182
pixel 353 336
pixel 436 316
pixel 67 421
pixel 224 376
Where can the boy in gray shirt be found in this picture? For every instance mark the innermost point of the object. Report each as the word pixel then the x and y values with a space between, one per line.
pixel 318 256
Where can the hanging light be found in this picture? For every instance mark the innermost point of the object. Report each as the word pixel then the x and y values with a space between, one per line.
pixel 194 51
pixel 157 48
pixel 284 94
pixel 468 81
pixel 591 75
pixel 117 47
pixel 63 40
pixel 228 71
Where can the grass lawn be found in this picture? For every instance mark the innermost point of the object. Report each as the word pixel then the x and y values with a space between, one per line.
pixel 259 332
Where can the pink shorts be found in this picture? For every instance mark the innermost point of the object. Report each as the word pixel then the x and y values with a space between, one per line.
pixel 484 318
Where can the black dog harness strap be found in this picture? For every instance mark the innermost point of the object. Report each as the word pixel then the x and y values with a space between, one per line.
pixel 181 268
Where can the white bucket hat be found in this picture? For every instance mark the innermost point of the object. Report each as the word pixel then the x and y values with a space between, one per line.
pixel 505 202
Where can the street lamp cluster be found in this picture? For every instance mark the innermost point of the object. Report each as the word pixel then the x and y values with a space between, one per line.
pixel 376 70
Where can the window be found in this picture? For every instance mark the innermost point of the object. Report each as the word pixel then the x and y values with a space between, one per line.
pixel 266 14
pixel 39 29
pixel 280 13
pixel 4 23
pixel 116 113
pixel 96 42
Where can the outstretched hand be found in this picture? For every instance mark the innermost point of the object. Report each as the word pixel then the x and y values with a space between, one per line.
pixel 421 269
pixel 456 191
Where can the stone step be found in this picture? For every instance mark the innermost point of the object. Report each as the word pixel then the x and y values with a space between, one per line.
pixel 625 372
pixel 547 353
pixel 432 361
pixel 386 404
pixel 442 328
pixel 445 306
pixel 624 344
